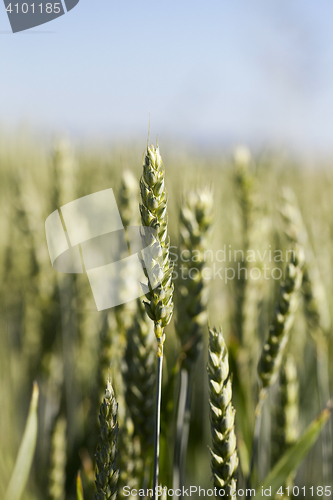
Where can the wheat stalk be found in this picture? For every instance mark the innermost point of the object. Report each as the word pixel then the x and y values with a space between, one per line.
pixel 316 304
pixel 278 335
pixel 159 303
pixel 316 312
pixel 244 190
pixel 224 459
pixel 244 181
pixel 191 303
pixel 106 454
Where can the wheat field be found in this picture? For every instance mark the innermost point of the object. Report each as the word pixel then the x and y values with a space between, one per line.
pixel 251 298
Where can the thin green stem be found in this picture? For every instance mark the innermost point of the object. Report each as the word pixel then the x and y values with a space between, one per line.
pixel 183 395
pixel 186 430
pixel 257 427
pixel 157 421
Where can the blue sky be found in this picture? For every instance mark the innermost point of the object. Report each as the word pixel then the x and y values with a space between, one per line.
pixel 256 71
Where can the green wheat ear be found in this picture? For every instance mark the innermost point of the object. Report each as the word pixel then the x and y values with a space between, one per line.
pixel 159 304
pixel 224 462
pixel 106 453
pixel 284 315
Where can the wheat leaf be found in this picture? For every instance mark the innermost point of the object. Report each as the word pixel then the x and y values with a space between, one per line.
pixel 291 460
pixel 26 452
pixel 79 487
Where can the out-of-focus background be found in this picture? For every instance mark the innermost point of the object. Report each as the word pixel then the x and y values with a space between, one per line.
pixel 77 96
pixel 210 73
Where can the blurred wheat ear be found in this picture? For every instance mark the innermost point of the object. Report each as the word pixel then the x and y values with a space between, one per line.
pixel 278 336
pixel 140 376
pixel 57 473
pixel 131 461
pixel 244 190
pixel 316 309
pixel 286 428
pixel 284 315
pixel 140 380
pixel 191 306
pixel 128 199
pixel 248 291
